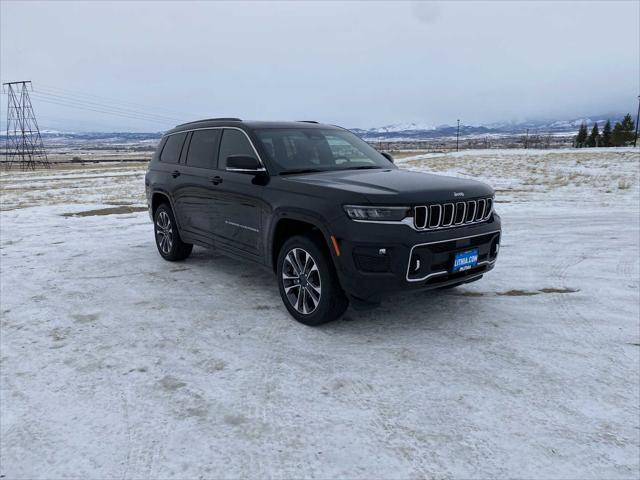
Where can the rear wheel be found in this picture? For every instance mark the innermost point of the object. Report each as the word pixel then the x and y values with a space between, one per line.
pixel 170 245
pixel 308 282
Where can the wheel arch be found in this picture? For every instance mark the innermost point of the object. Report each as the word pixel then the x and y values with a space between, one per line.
pixel 287 225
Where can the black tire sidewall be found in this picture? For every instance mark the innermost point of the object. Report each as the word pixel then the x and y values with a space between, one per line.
pixel 175 237
pixel 332 300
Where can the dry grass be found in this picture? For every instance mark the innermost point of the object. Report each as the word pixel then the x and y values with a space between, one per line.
pixel 106 211
pixel 624 184
pixel 558 290
pixel 518 293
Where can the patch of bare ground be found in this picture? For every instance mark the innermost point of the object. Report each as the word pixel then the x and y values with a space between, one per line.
pixel 106 211
pixel 527 293
pixel 518 293
pixel 558 290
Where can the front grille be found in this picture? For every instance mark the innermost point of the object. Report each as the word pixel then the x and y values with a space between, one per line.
pixel 444 215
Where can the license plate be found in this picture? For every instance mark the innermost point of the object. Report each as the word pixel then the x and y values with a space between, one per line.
pixel 465 260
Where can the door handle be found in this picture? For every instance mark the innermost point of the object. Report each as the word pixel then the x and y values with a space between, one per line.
pixel 216 180
pixel 175 173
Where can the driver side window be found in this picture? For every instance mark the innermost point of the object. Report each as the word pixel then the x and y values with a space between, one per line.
pixel 234 142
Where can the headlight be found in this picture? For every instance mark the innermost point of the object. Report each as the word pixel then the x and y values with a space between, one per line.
pixel 376 214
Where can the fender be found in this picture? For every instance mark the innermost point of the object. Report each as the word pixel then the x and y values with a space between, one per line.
pixel 171 204
pixel 303 215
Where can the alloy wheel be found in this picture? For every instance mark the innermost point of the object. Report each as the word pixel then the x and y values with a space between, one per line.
pixel 164 232
pixel 301 280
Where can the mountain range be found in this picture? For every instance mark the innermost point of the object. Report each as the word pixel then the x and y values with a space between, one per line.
pixel 392 132
pixel 417 131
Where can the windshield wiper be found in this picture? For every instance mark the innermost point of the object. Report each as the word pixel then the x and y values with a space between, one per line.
pixel 303 170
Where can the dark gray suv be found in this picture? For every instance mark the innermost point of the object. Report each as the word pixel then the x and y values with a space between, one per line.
pixel 335 219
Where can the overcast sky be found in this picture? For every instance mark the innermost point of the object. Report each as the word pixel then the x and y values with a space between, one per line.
pixel 356 64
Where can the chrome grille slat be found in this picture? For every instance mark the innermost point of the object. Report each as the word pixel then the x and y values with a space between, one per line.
pixel 489 208
pixel 471 211
pixel 434 216
pixel 433 223
pixel 448 215
pixel 480 210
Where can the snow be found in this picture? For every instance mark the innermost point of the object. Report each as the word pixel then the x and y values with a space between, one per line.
pixel 115 363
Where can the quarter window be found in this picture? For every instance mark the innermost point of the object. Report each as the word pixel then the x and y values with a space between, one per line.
pixel 203 149
pixel 172 147
pixel 234 142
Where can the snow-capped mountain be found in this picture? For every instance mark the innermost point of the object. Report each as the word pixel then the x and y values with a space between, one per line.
pixel 391 132
pixel 402 127
pixel 419 131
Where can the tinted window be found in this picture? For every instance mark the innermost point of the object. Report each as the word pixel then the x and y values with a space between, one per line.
pixel 172 147
pixel 234 142
pixel 203 149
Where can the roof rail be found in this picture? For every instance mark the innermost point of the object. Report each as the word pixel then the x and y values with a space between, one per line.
pixel 307 121
pixel 220 119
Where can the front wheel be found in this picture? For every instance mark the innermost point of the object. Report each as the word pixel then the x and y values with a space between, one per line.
pixel 170 245
pixel 308 282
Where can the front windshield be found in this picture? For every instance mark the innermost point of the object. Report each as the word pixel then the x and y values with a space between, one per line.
pixel 300 150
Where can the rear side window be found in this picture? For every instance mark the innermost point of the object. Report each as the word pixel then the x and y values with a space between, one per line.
pixel 234 142
pixel 172 147
pixel 203 149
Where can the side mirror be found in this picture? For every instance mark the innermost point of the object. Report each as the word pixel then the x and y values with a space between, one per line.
pixel 387 156
pixel 243 163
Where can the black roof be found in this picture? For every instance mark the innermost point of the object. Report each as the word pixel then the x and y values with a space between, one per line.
pixel 251 124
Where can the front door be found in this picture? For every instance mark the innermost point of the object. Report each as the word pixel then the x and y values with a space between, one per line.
pixel 236 216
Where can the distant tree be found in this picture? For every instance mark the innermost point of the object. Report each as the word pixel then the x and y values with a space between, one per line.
pixel 605 141
pixel 594 137
pixel 623 132
pixel 581 138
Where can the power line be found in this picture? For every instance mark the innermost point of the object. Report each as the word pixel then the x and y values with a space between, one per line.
pixel 97 110
pixel 104 105
pixel 146 107
pixel 71 98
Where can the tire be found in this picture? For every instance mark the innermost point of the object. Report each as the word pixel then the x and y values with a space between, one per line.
pixel 312 294
pixel 168 241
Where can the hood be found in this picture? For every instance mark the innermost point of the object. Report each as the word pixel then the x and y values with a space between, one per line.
pixel 396 186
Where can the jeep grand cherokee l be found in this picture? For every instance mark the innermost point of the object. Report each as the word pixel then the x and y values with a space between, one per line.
pixel 335 219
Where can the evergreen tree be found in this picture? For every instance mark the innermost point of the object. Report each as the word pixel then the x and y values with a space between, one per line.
pixel 581 138
pixel 617 135
pixel 623 132
pixel 605 141
pixel 594 138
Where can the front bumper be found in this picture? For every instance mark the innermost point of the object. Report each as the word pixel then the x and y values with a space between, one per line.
pixel 377 259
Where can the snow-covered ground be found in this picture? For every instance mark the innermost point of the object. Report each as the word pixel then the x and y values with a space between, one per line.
pixel 115 363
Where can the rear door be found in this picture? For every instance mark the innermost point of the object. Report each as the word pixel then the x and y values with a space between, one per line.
pixel 168 167
pixel 236 217
pixel 197 190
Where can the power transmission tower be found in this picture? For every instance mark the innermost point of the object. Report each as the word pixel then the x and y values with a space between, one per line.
pixel 23 142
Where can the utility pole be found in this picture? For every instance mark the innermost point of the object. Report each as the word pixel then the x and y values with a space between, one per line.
pixel 635 139
pixel 458 136
pixel 23 141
